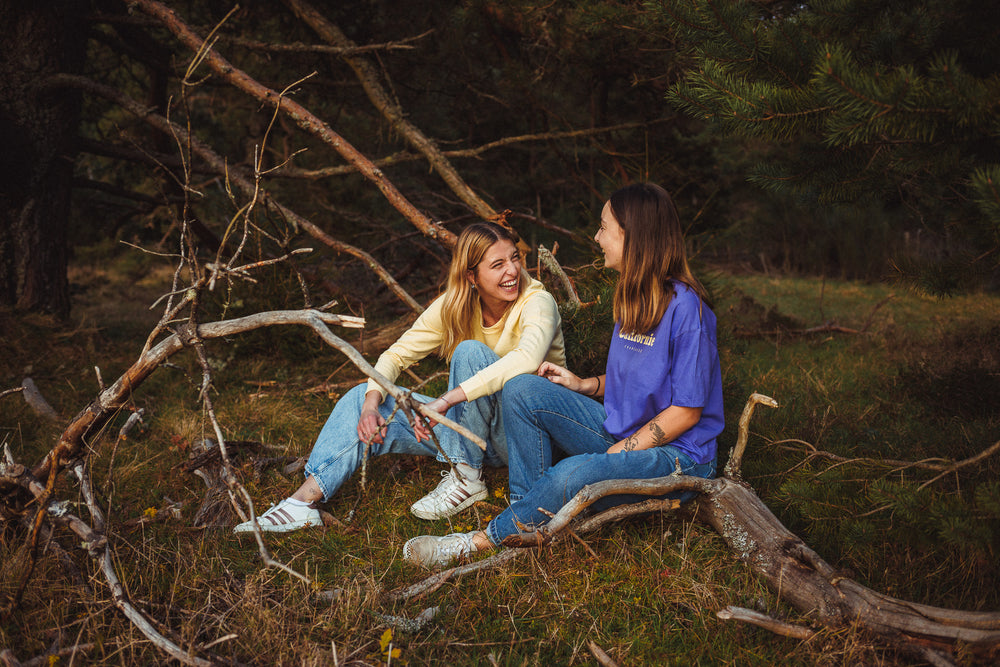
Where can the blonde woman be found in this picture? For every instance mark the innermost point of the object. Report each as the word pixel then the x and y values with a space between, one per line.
pixel 492 323
pixel 662 388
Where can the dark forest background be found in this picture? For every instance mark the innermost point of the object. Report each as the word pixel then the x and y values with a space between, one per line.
pixel 846 139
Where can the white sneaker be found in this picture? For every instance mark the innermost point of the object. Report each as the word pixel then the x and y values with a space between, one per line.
pixel 282 518
pixel 451 496
pixel 435 551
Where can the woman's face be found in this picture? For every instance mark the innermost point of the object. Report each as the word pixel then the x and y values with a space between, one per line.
pixel 611 238
pixel 498 274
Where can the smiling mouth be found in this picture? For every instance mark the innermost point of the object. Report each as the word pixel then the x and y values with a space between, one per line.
pixel 509 285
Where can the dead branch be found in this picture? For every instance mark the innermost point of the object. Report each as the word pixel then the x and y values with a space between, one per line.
pixel 942 466
pixel 302 117
pixel 599 655
pixel 591 493
pixel 796 573
pixel 33 397
pixel 434 581
pixel 244 184
pixel 389 108
pixel 736 457
pixel 96 415
pixel 546 257
pixel 297 47
pixel 289 171
pixel 766 622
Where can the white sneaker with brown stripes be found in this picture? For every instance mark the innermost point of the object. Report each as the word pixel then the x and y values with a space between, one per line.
pixel 282 518
pixel 451 496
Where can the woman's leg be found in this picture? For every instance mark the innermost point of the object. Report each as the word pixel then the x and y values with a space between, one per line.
pixel 482 416
pixel 543 419
pixel 338 451
pixel 335 457
pixel 564 480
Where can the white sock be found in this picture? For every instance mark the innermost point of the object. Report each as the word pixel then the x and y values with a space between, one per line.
pixel 468 472
pixel 296 502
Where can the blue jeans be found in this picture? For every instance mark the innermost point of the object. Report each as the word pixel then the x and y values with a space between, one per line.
pixel 338 451
pixel 544 421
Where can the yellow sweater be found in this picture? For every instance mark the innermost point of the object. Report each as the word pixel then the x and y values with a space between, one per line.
pixel 528 334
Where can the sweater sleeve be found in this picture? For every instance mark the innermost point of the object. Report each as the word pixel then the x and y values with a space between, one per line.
pixel 422 338
pixel 538 323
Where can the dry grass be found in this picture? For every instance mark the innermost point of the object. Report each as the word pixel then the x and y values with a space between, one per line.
pixel 649 597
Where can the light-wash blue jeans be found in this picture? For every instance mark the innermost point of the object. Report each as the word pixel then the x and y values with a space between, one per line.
pixel 544 421
pixel 338 451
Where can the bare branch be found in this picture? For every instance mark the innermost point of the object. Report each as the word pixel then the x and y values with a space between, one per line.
pixel 33 397
pixel 390 109
pixel 395 45
pixel 302 117
pixel 736 457
pixel 546 257
pixel 765 621
pixel 246 186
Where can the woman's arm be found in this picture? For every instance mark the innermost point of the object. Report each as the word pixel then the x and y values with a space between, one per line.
pixel 593 387
pixel 440 405
pixel 664 428
pixel 538 319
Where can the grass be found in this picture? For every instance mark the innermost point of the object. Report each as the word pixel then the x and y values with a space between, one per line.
pixel 650 595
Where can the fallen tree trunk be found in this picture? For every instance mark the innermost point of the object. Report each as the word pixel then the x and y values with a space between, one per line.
pixel 800 577
pixel 796 573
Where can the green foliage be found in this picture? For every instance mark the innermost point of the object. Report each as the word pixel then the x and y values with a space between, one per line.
pixel 890 100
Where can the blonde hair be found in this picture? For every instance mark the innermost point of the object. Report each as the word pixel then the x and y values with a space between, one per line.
pixel 652 256
pixel 460 298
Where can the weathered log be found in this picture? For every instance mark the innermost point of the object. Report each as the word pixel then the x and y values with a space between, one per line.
pixel 800 577
pixel 796 573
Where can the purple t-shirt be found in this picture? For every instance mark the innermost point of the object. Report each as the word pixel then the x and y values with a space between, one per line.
pixel 676 363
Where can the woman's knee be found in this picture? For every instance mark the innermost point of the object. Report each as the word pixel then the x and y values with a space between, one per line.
pixel 470 350
pixel 519 390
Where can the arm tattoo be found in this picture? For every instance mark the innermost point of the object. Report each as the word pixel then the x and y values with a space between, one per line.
pixel 630 443
pixel 659 437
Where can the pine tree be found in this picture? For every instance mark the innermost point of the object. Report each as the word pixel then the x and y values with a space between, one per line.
pixel 896 101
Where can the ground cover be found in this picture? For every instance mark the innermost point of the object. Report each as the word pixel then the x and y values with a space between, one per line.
pixel 861 372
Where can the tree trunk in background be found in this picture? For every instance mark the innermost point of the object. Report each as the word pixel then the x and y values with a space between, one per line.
pixel 37 126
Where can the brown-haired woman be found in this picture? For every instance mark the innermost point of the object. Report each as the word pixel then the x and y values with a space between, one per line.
pixel 492 323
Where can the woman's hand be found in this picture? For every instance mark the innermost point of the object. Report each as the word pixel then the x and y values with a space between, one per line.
pixel 422 427
pixel 371 425
pixel 590 387
pixel 560 375
pixel 440 405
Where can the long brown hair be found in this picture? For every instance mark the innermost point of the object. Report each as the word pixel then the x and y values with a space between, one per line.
pixel 652 256
pixel 460 298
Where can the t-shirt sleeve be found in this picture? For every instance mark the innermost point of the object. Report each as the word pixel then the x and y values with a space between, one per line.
pixel 417 342
pixel 539 322
pixel 692 361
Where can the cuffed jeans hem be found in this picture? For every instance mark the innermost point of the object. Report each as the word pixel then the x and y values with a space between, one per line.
pixel 477 465
pixel 319 482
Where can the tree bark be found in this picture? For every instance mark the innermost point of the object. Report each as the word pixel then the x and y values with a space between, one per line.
pixel 37 130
